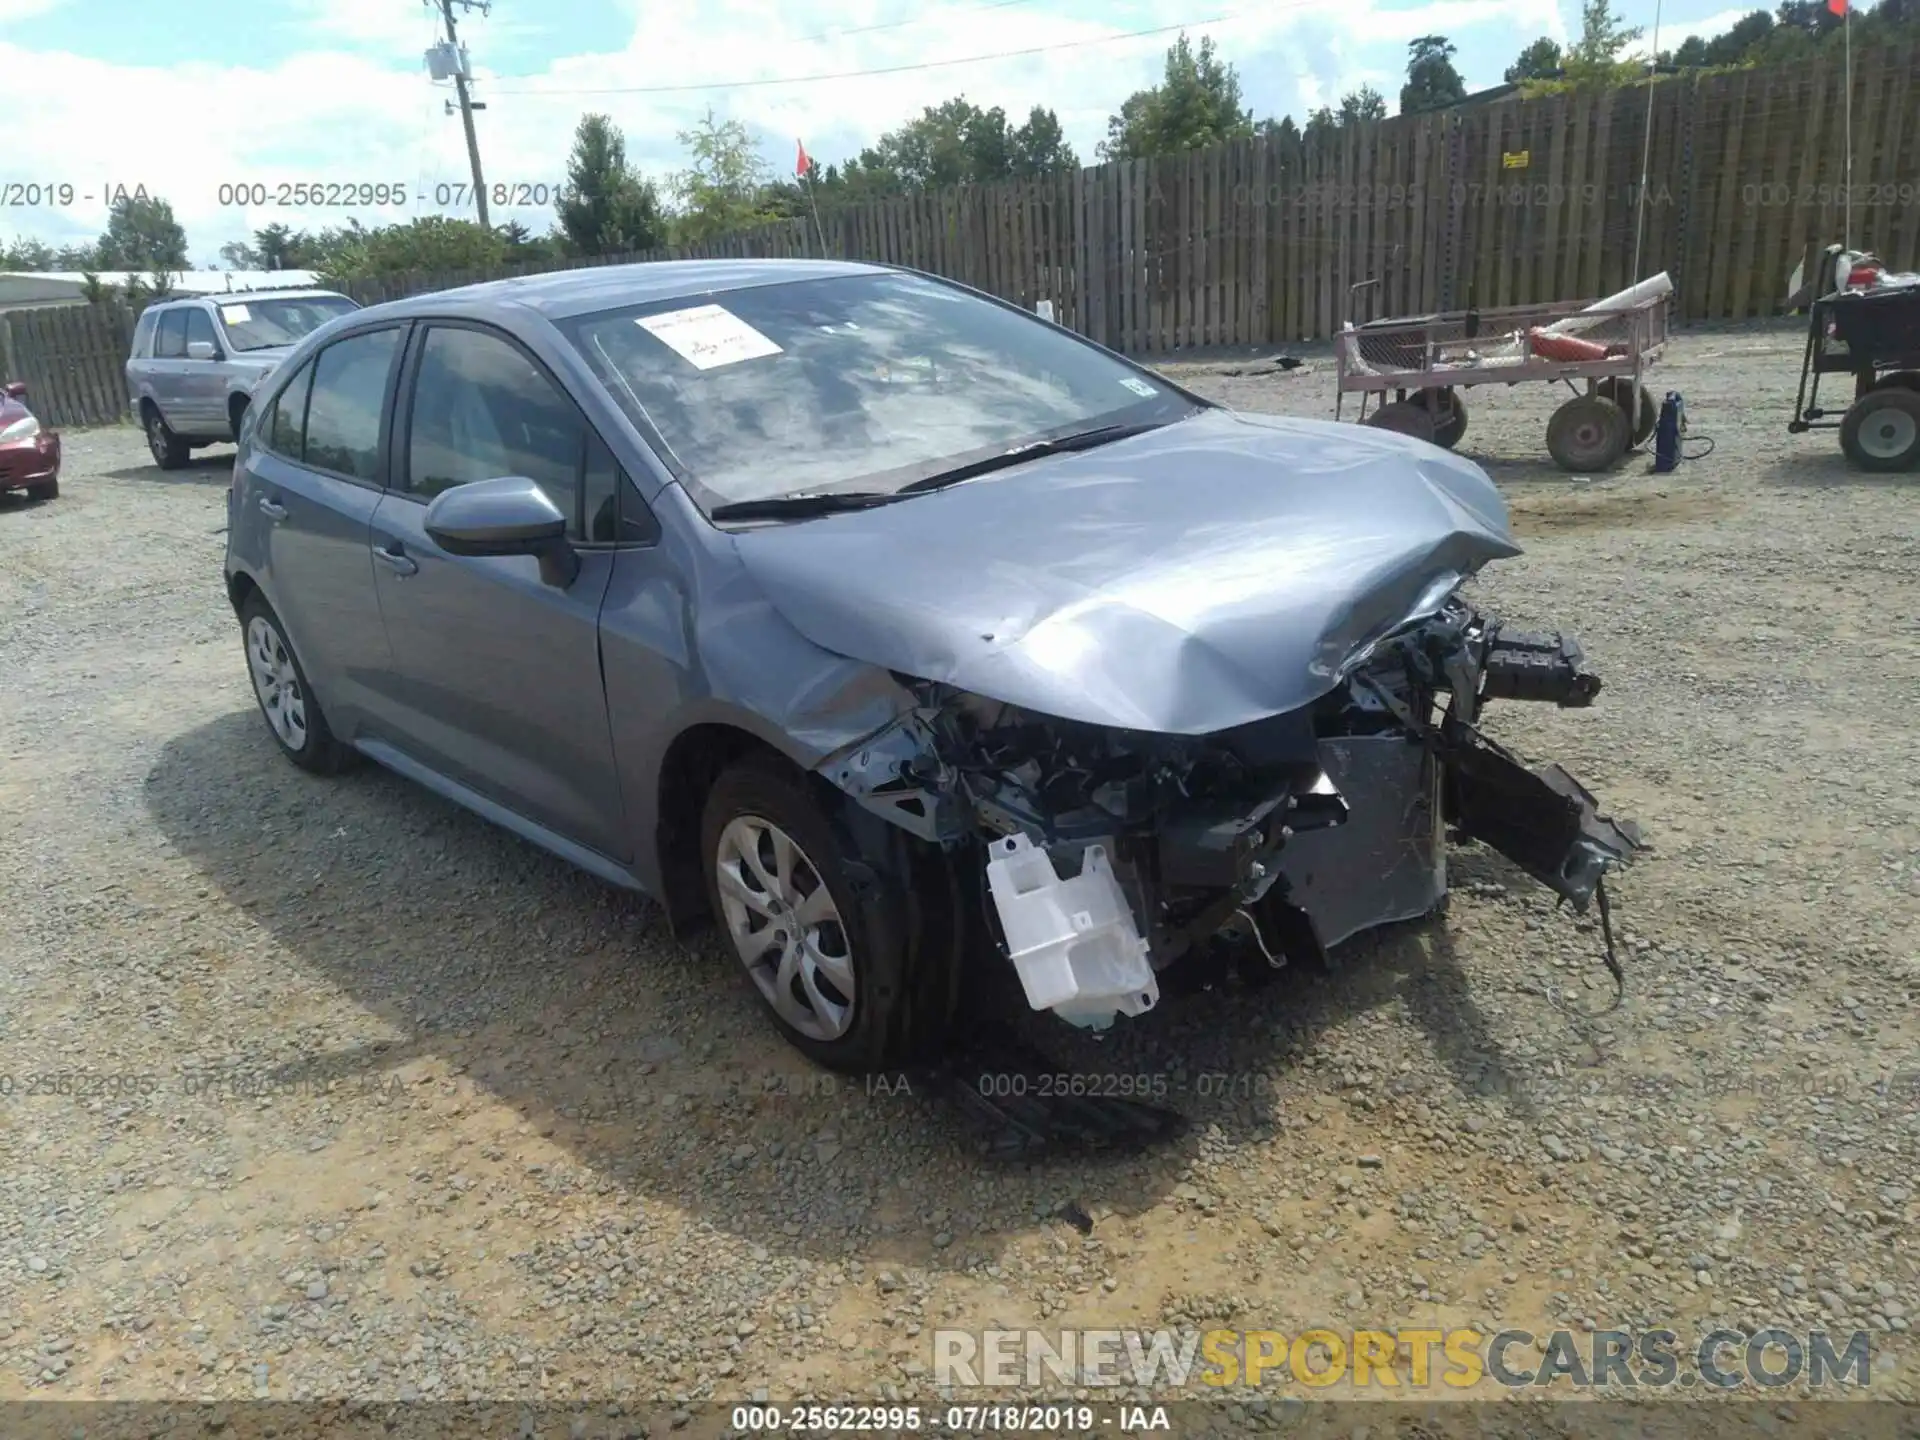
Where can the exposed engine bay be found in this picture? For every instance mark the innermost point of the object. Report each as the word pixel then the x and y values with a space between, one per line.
pixel 1109 855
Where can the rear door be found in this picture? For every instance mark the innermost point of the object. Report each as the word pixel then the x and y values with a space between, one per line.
pixel 313 474
pixel 497 680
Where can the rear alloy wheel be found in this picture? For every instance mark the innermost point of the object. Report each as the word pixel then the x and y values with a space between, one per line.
pixel 169 451
pixel 1405 417
pixel 287 701
pixel 1587 434
pixel 1881 432
pixel 858 969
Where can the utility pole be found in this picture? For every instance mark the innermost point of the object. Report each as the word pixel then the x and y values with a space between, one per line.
pixel 467 104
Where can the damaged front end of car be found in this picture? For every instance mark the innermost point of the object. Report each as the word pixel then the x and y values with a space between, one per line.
pixel 1108 855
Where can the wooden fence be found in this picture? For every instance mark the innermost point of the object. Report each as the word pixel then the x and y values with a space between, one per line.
pixel 1516 202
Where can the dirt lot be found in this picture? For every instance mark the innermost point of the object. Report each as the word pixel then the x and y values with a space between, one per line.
pixel 496 1136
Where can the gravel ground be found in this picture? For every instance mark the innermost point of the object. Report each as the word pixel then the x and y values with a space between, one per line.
pixel 495 1136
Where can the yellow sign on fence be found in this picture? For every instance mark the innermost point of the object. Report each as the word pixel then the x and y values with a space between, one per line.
pixel 1515 159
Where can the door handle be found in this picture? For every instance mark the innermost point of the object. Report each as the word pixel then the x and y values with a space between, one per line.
pixel 399 563
pixel 272 509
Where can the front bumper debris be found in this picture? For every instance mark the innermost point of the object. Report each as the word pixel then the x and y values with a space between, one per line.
pixel 1542 819
pixel 1112 855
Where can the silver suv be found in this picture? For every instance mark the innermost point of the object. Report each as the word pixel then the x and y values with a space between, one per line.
pixel 197 361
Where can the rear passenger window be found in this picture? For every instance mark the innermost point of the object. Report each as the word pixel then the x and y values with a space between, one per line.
pixel 348 392
pixel 285 427
pixel 171 342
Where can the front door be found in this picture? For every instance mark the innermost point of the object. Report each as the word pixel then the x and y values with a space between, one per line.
pixel 203 383
pixel 496 679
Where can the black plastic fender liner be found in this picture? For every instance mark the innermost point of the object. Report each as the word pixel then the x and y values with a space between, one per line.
pixel 1542 819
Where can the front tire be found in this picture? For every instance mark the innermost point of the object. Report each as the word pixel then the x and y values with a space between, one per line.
pixel 169 451
pixel 857 969
pixel 50 490
pixel 287 702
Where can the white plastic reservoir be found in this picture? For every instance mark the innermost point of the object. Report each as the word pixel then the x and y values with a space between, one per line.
pixel 1073 942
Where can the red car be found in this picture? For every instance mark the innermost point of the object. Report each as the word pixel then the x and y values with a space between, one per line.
pixel 29 453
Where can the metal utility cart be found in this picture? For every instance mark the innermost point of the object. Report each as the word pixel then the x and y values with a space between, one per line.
pixel 1426 360
pixel 1874 336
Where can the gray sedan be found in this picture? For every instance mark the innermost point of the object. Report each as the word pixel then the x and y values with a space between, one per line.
pixel 900 632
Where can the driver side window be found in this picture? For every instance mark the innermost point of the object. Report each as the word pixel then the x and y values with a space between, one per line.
pixel 481 409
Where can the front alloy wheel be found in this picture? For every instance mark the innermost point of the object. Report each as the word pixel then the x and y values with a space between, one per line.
pixel 854 945
pixel 785 927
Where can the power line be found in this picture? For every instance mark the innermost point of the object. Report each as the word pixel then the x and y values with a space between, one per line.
pixel 899 69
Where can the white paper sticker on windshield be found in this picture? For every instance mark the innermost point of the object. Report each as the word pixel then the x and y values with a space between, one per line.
pixel 234 314
pixel 708 336
pixel 1139 387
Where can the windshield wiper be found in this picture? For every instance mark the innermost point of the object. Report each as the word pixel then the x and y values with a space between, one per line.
pixel 1020 454
pixel 800 505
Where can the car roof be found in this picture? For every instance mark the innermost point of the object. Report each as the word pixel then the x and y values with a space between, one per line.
pixel 561 294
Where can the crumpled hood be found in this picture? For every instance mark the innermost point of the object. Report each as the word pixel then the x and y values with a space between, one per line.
pixel 1214 572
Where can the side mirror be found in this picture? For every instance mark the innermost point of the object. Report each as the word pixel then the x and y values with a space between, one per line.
pixel 509 515
pixel 201 350
pixel 16 390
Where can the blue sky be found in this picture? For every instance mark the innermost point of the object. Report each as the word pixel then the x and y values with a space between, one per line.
pixel 182 99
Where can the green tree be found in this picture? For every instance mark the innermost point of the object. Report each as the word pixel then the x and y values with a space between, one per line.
pixel 239 255
pixel 1359 106
pixel 609 208
pixel 26 253
pixel 1594 58
pixel 954 143
pixel 142 235
pixel 1539 61
pixel 430 243
pixel 722 190
pixel 1432 82
pixel 274 247
pixel 1196 103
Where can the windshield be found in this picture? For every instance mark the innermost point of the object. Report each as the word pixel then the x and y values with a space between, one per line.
pixel 258 324
pixel 857 382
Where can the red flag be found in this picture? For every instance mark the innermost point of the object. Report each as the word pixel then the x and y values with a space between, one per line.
pixel 1838 7
pixel 803 165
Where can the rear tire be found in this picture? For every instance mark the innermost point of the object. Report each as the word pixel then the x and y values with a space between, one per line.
pixel 1405 417
pixel 169 451
pixel 1644 414
pixel 1449 415
pixel 1881 432
pixel 236 415
pixel 1587 434
pixel 287 702
pixel 861 981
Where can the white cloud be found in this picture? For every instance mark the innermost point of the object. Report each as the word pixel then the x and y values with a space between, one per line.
pixel 360 108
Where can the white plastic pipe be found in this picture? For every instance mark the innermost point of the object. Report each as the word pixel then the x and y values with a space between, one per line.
pixel 1649 289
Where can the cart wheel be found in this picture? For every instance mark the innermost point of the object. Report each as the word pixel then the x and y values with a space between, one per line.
pixel 1449 414
pixel 1587 434
pixel 1882 432
pixel 1905 379
pixel 1645 416
pixel 1407 417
